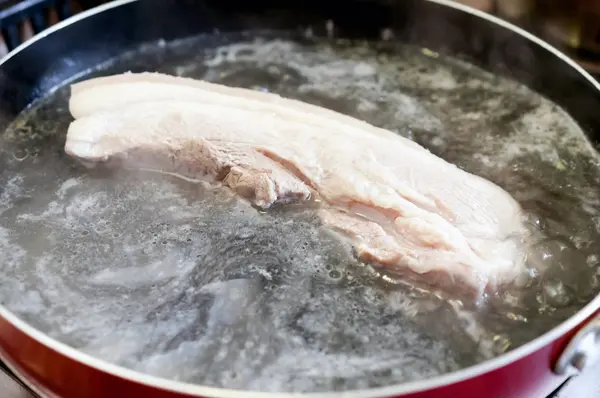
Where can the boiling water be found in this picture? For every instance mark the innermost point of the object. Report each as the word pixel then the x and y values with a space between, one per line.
pixel 189 283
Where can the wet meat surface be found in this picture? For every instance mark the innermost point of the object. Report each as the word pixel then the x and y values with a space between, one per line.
pixel 399 206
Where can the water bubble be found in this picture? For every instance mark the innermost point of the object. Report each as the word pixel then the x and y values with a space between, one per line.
pixel 511 299
pixel 21 154
pixel 580 242
pixel 554 253
pixel 500 344
pixel 557 294
pixel 592 260
pixel 516 317
pixel 335 274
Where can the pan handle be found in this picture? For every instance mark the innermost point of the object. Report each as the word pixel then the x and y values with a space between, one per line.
pixel 582 351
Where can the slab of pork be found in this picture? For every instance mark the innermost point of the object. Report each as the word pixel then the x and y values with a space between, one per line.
pixel 400 206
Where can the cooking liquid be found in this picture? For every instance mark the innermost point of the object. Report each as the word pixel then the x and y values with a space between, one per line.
pixel 187 282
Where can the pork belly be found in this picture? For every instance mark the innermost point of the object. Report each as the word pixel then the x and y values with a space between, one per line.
pixel 401 207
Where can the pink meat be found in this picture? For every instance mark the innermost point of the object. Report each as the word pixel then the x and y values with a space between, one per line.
pixel 401 207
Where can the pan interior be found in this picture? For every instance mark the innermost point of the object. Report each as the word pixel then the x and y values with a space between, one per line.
pixel 188 283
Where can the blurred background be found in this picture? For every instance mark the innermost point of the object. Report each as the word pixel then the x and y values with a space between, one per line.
pixel 571 25
pixel 21 19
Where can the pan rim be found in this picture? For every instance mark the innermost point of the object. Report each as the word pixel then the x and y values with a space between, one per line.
pixel 405 388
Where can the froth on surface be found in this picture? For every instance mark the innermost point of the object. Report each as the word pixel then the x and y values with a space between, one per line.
pixel 188 283
pixel 220 294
